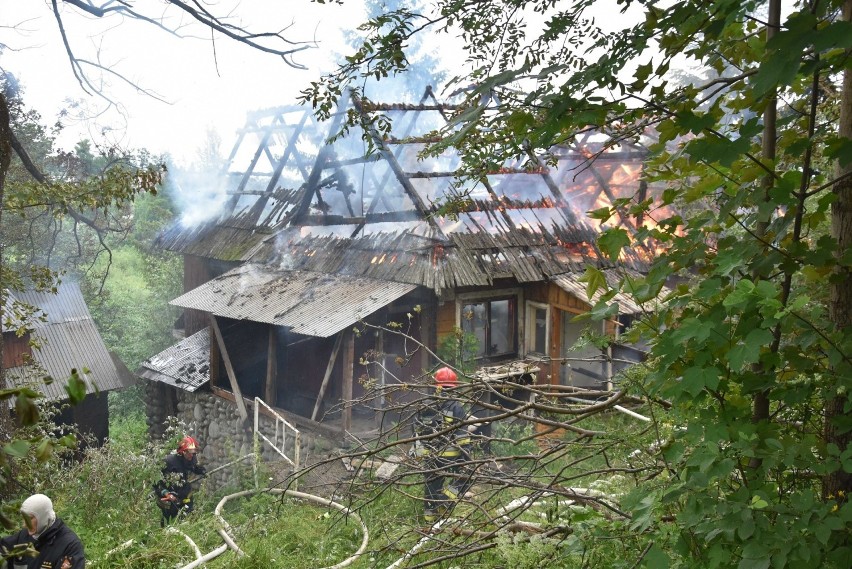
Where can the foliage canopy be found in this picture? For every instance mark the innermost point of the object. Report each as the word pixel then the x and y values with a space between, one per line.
pixel 751 341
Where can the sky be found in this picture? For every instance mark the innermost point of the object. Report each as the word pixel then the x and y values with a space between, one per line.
pixel 205 84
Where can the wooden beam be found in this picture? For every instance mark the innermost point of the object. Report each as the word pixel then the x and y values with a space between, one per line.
pixel 270 391
pixel 327 376
pixel 241 406
pixel 380 351
pixel 555 345
pixel 348 372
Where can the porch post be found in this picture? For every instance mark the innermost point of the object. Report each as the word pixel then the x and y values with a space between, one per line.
pixel 348 364
pixel 235 387
pixel 270 391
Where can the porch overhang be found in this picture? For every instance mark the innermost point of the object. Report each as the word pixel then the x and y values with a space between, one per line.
pixel 305 302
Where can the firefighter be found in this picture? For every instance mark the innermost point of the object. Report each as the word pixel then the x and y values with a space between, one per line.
pixel 55 545
pixel 174 491
pixel 444 453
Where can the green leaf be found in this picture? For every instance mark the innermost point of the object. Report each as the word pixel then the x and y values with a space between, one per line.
pixel 18 448
pixel 44 450
pixel 612 241
pixel 718 149
pixel 758 503
pixel 741 294
pixel 26 410
pixel 696 379
pixel 746 529
pixel 695 123
pixel 75 387
pixel 594 279
pixel 840 149
pixel 602 310
pixel 603 214
pixel 748 350
pixel 656 558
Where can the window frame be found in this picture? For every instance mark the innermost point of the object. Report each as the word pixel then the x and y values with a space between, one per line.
pixel 529 331
pixel 512 295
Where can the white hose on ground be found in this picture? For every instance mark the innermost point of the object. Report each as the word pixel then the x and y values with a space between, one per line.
pixel 188 539
pixel 218 468
pixel 121 547
pixel 524 500
pixel 207 557
pixel 224 531
pixel 417 546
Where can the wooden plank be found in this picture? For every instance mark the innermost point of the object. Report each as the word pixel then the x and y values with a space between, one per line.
pixel 348 372
pixel 270 392
pixel 327 375
pixel 241 406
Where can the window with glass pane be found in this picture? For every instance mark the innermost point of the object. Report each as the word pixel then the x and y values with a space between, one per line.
pixel 492 322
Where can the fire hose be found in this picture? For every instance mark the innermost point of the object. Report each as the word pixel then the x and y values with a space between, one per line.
pixel 225 528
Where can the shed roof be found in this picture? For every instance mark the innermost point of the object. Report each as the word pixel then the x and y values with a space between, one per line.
pixel 306 302
pixel 69 340
pixel 185 365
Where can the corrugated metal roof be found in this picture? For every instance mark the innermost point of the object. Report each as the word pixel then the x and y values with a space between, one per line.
pixel 10 321
pixel 185 365
pixel 70 340
pixel 306 302
pixel 570 282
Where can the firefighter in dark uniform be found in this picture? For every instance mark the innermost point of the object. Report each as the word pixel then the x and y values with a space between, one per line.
pixel 444 453
pixel 174 491
pixel 56 546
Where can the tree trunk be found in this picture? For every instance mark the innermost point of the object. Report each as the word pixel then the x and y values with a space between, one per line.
pixel 760 404
pixel 840 304
pixel 5 160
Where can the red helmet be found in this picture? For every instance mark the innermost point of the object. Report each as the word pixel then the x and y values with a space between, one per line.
pixel 446 377
pixel 187 443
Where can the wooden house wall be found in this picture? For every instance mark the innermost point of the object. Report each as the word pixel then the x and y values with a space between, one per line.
pixel 90 416
pixel 559 301
pixel 445 318
pixel 196 272
pixel 15 349
pixel 246 343
pixel 301 368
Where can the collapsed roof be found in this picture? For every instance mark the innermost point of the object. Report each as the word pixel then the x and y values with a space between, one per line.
pixel 297 197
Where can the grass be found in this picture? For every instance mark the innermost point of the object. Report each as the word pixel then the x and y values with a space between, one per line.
pixel 106 500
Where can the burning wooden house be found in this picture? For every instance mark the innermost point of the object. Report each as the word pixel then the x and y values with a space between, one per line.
pixel 316 236
pixel 59 335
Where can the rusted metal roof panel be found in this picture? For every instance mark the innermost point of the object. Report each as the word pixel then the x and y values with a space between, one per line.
pixel 69 340
pixel 185 365
pixel 306 302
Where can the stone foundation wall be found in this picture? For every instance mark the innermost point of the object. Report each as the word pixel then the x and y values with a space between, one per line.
pixel 224 437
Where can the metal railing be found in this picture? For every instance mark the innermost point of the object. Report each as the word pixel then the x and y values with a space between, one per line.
pixel 281 431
